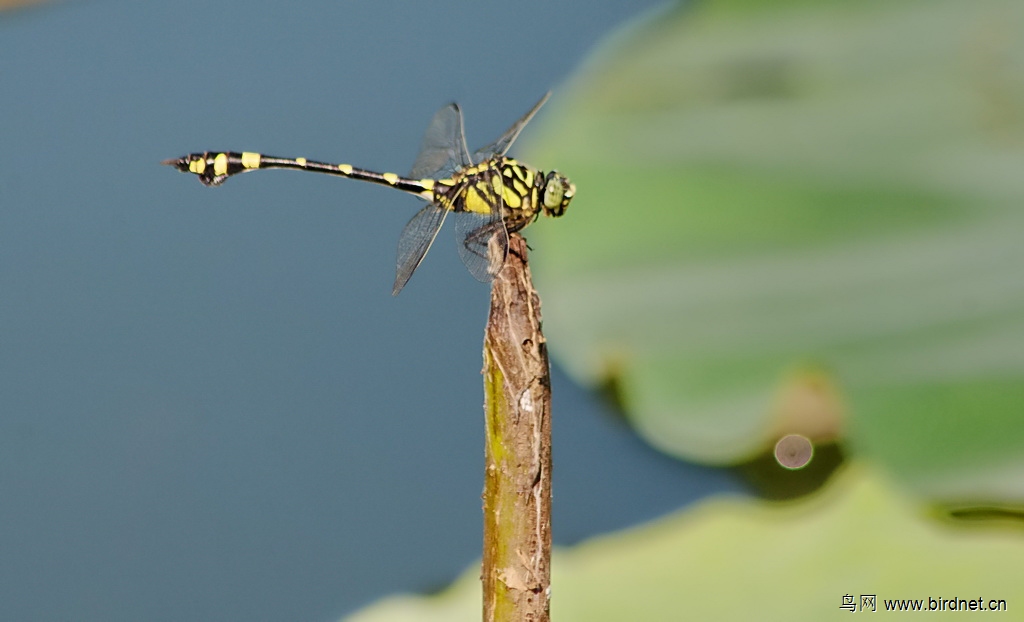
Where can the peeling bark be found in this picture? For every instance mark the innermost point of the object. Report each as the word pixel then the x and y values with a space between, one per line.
pixel 517 490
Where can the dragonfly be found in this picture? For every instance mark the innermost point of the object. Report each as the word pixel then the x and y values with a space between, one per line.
pixel 488 194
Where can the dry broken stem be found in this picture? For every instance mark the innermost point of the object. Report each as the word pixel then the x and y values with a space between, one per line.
pixel 517 490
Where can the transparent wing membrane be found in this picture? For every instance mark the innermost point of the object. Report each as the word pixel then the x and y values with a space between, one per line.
pixel 444 146
pixel 482 239
pixel 501 146
pixel 483 244
pixel 417 236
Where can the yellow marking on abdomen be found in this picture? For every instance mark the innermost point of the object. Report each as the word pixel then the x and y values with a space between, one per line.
pixel 346 169
pixel 250 159
pixel 301 161
pixel 428 189
pixel 391 178
pixel 197 166
pixel 220 164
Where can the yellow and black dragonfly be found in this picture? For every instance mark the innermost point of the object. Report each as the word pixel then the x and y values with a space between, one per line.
pixel 489 194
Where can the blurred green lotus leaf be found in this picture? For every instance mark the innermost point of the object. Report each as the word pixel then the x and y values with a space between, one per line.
pixel 742 559
pixel 800 217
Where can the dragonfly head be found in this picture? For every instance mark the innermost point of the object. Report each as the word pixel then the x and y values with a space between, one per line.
pixel 558 191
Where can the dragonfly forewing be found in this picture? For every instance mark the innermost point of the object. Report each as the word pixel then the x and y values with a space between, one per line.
pixel 501 146
pixel 443 151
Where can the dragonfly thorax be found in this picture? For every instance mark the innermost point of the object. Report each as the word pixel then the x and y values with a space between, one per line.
pixel 502 184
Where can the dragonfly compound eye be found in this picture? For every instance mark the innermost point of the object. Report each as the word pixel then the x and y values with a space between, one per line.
pixel 558 191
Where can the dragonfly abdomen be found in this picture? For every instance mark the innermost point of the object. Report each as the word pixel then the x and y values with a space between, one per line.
pixel 213 167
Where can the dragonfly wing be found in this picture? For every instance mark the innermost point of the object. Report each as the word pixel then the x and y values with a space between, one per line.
pixel 483 244
pixel 417 236
pixel 444 146
pixel 483 238
pixel 501 146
